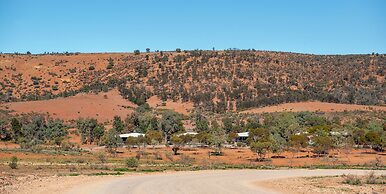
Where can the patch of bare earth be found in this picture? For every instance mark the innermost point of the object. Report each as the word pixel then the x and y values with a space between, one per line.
pixel 34 184
pixel 321 185
pixel 180 107
pixel 314 107
pixel 102 106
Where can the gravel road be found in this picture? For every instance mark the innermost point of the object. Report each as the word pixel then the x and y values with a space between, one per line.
pixel 219 181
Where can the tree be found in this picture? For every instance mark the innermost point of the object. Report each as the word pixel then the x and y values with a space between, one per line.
pixel 186 139
pixel 147 50
pixel 147 122
pixel 376 140
pixel 261 148
pixel 298 141
pixel 203 137
pixel 142 141
pixel 154 137
pixel 16 127
pixel 98 132
pixel 260 141
pixel 111 140
pixel 178 50
pixel 285 124
pixel 201 121
pixel 170 123
pixel 132 121
pixel 253 123
pixel 118 124
pixel 137 52
pixel 87 131
pixel 259 134
pixel 177 143
pixel 359 136
pixel 56 131
pixel 218 137
pixel 322 143
pixel 33 132
pixel 228 124
pixel 131 142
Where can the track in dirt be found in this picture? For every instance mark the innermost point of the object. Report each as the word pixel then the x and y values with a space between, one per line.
pixel 227 181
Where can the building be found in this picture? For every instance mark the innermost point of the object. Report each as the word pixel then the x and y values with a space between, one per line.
pixel 126 135
pixel 242 137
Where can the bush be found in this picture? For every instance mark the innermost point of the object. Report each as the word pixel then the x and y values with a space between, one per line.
pixel 102 157
pixel 132 162
pixel 109 66
pixel 371 178
pixel 352 180
pixel 186 160
pixel 91 67
pixel 13 163
pixel 169 156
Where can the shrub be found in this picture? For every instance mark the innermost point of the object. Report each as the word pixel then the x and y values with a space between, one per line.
pixel 157 155
pixel 371 178
pixel 132 162
pixel 13 163
pixel 91 67
pixel 102 157
pixel 169 156
pixel 67 146
pixel 109 66
pixel 186 160
pixel 55 87
pixel 137 52
pixel 352 180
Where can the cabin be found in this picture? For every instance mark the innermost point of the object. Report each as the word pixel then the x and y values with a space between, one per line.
pixel 126 135
pixel 242 137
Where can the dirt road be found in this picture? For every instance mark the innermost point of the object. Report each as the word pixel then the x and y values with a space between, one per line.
pixel 226 181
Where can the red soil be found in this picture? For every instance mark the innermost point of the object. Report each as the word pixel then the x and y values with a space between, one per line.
pixel 102 106
pixel 313 107
pixel 180 107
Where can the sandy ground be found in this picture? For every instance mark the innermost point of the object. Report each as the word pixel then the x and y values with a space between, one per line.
pixel 313 107
pixel 180 107
pixel 102 106
pixel 222 181
pixel 321 185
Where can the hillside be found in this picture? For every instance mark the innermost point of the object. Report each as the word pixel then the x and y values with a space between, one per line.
pixel 103 106
pixel 314 107
pixel 215 81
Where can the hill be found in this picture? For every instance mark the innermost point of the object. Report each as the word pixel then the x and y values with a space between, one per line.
pixel 215 81
pixel 102 106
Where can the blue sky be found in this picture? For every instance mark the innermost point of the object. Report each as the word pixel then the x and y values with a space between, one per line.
pixel 305 26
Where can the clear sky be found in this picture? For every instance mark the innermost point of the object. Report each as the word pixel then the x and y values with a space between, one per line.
pixel 305 26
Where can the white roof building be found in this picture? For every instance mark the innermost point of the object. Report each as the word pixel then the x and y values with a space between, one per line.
pixel 243 134
pixel 189 133
pixel 126 135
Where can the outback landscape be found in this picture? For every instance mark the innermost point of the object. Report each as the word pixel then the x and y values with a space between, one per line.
pixel 192 97
pixel 62 114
